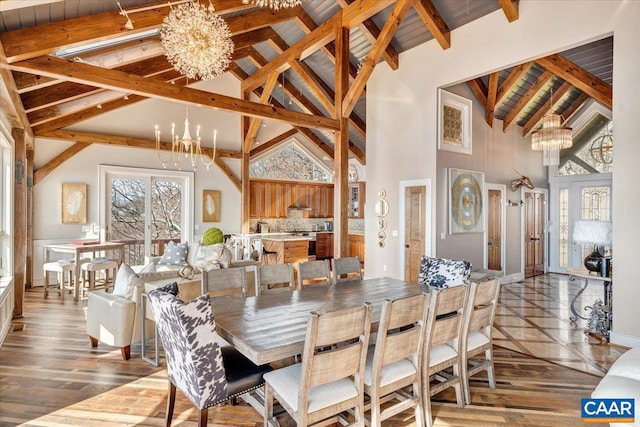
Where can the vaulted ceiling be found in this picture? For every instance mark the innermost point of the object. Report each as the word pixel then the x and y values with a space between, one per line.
pixel 65 61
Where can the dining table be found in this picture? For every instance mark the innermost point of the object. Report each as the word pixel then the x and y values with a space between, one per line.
pixel 272 327
pixel 77 249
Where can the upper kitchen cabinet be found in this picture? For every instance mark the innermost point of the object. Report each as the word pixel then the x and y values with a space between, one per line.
pixel 356 200
pixel 273 199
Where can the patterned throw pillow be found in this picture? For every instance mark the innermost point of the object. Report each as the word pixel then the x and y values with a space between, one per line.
pixel 174 254
pixel 443 273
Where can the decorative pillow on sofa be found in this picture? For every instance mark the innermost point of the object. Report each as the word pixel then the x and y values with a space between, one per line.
pixel 211 257
pixel 125 281
pixel 443 272
pixel 174 254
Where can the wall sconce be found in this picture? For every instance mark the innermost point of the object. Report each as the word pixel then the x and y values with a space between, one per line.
pixel 516 203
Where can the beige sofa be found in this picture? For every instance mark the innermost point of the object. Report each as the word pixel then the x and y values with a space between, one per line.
pixel 622 381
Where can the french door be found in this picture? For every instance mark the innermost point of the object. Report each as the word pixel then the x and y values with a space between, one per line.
pixel 145 209
pixel 576 197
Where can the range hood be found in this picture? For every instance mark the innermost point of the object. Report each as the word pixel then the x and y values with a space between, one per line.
pixel 298 212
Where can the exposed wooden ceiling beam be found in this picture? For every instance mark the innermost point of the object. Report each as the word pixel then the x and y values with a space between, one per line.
pixel 276 140
pixel 27 42
pixel 512 79
pixel 357 153
pixel 513 114
pixel 84 114
pixel 352 15
pixel 593 86
pixel 543 109
pixel 125 141
pixel 254 124
pixel 67 91
pixel 11 102
pixel 372 32
pixel 479 89
pixel 308 25
pixel 51 165
pixel 575 105
pixel 390 27
pixel 434 22
pixel 492 92
pixel 510 9
pixel 117 80
pixel 26 82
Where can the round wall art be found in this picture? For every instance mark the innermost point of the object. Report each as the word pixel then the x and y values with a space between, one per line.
pixel 466 201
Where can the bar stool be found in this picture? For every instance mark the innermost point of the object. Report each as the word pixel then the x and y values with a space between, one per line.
pixel 64 274
pixel 90 269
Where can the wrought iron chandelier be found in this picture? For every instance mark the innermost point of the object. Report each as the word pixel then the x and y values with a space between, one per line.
pixel 274 4
pixel 197 42
pixel 551 138
pixel 185 147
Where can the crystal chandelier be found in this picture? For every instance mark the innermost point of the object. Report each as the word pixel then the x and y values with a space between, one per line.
pixel 197 42
pixel 275 4
pixel 185 147
pixel 551 139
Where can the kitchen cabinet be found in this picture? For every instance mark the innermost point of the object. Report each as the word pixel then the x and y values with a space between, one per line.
pixel 356 200
pixel 272 199
pixel 324 245
pixel 288 251
pixel 355 246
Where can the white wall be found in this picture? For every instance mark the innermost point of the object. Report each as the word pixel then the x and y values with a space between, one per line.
pixel 401 118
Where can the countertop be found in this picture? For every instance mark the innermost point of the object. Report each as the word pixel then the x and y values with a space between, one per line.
pixel 286 238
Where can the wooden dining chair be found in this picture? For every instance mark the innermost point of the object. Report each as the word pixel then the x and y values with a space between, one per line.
pixel 442 358
pixel 274 278
pixel 330 378
pixel 477 332
pixel 393 367
pixel 314 273
pixel 223 282
pixel 346 269
pixel 199 364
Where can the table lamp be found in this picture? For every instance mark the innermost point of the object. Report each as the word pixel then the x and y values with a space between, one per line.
pixel 599 234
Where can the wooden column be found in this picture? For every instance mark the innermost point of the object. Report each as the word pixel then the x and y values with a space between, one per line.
pixel 245 170
pixel 341 149
pixel 19 219
pixel 28 279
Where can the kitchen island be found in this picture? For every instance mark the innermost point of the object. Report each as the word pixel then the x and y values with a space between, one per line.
pixel 288 248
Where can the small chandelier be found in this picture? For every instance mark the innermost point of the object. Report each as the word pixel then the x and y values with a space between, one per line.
pixel 185 147
pixel 274 4
pixel 552 138
pixel 197 42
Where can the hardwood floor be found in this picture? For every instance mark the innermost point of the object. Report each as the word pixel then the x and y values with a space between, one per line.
pixel 50 376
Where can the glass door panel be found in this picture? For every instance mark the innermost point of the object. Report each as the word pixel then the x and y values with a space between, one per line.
pixel 166 213
pixel 127 216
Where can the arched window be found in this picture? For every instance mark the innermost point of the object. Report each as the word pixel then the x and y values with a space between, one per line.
pixel 290 161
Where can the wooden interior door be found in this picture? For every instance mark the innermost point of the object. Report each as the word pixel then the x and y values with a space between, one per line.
pixel 494 230
pixel 414 234
pixel 534 204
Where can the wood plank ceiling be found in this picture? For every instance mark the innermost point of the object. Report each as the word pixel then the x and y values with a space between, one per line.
pixel 58 79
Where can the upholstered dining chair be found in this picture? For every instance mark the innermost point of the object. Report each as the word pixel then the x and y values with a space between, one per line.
pixel 443 272
pixel 314 273
pixel 443 345
pixel 330 379
pixel 222 282
pixel 205 371
pixel 477 332
pixel 393 365
pixel 271 278
pixel 346 269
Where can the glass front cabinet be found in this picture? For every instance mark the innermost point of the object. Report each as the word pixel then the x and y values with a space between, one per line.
pixel 356 200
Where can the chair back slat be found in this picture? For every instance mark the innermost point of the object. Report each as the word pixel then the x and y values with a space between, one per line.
pixel 481 308
pixel 224 282
pixel 314 273
pixel 335 364
pixel 275 278
pixel 481 318
pixel 402 345
pixel 346 269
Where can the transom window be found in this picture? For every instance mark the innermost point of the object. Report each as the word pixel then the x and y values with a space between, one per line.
pixel 593 152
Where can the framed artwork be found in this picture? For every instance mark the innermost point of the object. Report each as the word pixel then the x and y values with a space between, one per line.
pixel 210 206
pixel 466 204
pixel 74 203
pixel 454 122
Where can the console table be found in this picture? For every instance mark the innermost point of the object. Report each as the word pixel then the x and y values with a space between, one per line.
pixel 601 316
